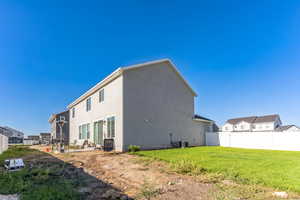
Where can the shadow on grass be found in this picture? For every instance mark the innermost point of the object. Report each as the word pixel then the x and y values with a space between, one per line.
pixel 46 177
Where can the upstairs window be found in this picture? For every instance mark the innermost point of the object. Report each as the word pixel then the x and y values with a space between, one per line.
pixel 101 95
pixel 111 127
pixel 73 112
pixel 88 104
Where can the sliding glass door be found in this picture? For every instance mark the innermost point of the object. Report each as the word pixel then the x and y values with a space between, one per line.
pixel 98 132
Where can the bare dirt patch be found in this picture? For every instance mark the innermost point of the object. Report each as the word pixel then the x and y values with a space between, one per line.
pixel 134 179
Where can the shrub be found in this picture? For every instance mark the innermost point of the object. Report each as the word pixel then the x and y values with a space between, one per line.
pixel 133 148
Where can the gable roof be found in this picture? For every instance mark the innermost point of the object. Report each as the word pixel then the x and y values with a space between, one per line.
pixel 286 127
pixel 118 72
pixel 266 118
pixel 254 119
pixel 238 120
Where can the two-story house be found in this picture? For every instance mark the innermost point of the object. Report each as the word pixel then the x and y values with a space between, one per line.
pixel 253 123
pixel 147 104
pixel 55 128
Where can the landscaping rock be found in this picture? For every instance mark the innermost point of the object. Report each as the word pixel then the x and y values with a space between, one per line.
pixel 85 190
pixel 9 197
pixel 111 194
pixel 283 195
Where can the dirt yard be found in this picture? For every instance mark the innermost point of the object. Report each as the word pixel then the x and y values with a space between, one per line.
pixel 136 180
pixel 124 176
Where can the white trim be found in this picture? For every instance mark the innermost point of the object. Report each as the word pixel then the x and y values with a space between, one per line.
pixel 202 120
pixel 119 72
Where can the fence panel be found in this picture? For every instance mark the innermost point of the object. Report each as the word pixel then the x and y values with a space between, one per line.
pixel 255 140
pixel 3 143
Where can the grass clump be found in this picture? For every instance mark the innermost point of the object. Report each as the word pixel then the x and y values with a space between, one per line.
pixel 134 148
pixel 148 191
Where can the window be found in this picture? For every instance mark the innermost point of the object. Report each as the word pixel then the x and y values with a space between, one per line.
pixel 253 126
pixel 88 131
pixel 242 126
pixel 101 95
pixel 111 127
pixel 84 131
pixel 80 132
pixel 62 118
pixel 88 104
pixel 73 112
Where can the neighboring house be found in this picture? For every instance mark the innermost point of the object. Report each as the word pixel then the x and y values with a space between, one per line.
pixel 14 136
pixel 55 129
pixel 149 104
pixel 289 128
pixel 3 143
pixel 45 138
pixel 253 123
pixel 34 137
pixel 32 140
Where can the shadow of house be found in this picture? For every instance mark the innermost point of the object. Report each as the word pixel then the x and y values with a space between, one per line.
pixel 55 171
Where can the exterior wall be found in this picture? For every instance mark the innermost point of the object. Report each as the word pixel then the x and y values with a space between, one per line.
pixel 53 129
pixel 268 126
pixel 256 140
pixel 227 127
pixel 157 104
pixel 111 106
pixel 242 126
pixel 3 143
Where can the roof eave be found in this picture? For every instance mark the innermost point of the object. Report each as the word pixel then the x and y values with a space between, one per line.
pixel 203 120
pixel 99 85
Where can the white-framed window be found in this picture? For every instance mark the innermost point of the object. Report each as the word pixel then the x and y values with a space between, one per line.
pixel 62 118
pixel 80 132
pixel 242 126
pixel 253 126
pixel 89 104
pixel 73 112
pixel 84 131
pixel 101 95
pixel 226 128
pixel 111 127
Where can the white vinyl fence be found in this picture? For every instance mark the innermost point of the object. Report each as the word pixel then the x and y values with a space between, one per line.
pixel 3 143
pixel 255 140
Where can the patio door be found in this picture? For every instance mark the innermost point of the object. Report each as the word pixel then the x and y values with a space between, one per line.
pixel 98 132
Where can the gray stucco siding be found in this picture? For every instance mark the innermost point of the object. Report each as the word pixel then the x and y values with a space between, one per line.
pixel 157 103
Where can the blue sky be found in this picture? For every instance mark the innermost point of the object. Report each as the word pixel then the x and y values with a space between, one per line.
pixel 242 57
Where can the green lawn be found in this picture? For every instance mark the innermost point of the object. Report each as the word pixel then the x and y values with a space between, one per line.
pixel 277 169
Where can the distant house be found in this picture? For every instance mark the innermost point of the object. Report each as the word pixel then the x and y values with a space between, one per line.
pixel 14 136
pixel 55 129
pixel 288 128
pixel 253 123
pixel 34 137
pixel 45 138
pixel 148 104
